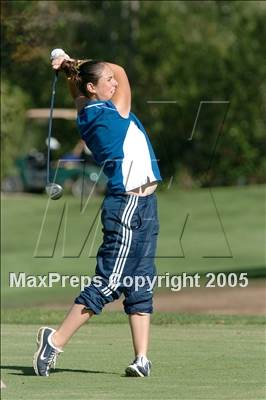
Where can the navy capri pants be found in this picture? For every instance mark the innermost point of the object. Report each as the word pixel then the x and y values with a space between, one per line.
pixel 125 260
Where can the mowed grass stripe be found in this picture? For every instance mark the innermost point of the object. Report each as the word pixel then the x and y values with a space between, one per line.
pixel 47 316
pixel 190 362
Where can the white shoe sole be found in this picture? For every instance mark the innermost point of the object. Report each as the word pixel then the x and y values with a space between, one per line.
pixel 133 371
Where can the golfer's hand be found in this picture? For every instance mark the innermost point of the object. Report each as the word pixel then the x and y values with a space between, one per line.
pixel 57 63
pixel 58 56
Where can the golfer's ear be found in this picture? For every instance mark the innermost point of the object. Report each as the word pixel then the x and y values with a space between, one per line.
pixel 91 88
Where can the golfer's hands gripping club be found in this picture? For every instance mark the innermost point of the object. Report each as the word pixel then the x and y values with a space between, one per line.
pixel 58 56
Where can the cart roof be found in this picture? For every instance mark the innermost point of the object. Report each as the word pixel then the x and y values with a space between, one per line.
pixel 44 113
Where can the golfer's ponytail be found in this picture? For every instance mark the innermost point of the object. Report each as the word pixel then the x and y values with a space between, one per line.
pixel 83 71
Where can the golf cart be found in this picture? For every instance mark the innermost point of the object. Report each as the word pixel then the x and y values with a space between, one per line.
pixel 76 171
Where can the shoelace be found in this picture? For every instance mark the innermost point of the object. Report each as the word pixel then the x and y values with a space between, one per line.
pixel 139 361
pixel 52 359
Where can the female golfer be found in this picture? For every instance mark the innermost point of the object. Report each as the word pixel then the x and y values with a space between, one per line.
pixel 119 144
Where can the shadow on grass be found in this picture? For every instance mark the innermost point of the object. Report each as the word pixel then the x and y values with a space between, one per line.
pixel 29 371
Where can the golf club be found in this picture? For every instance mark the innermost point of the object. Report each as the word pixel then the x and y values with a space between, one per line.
pixel 53 190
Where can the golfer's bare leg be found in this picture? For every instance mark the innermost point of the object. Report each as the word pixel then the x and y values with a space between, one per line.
pixel 140 330
pixel 76 317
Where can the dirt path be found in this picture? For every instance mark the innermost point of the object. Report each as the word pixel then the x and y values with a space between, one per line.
pixel 241 301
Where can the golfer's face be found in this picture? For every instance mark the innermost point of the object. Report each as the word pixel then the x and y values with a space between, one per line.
pixel 106 85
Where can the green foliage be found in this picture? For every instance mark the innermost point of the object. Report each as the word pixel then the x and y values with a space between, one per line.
pixel 14 104
pixel 181 51
pixel 205 51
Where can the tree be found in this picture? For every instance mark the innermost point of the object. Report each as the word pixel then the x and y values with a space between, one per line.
pixel 182 51
pixel 13 111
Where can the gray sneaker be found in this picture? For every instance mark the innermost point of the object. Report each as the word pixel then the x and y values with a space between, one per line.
pixel 140 367
pixel 46 354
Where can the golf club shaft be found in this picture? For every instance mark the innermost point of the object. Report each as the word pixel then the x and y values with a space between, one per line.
pixel 50 125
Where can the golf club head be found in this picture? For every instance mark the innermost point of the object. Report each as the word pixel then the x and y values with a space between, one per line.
pixel 54 191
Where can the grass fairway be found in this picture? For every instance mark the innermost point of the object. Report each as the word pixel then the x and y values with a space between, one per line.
pixel 194 357
pixel 206 358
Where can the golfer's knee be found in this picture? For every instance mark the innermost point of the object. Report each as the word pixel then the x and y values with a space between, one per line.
pixel 142 314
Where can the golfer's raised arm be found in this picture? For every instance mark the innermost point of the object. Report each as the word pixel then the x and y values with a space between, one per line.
pixel 122 96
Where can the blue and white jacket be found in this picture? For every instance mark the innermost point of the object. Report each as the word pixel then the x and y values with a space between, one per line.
pixel 120 145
